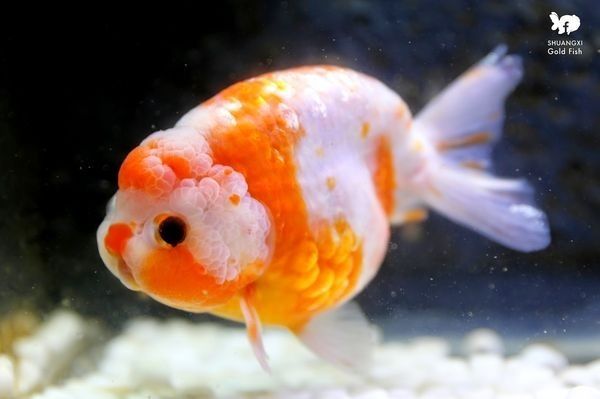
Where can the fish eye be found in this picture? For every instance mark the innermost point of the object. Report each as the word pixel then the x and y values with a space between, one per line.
pixel 172 230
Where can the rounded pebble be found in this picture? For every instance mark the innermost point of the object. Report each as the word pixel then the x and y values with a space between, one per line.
pixel 181 359
pixel 483 340
pixel 578 375
pixel 544 355
pixel 7 377
pixel 584 393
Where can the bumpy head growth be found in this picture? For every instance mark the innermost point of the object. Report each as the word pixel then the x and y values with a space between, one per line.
pixel 180 228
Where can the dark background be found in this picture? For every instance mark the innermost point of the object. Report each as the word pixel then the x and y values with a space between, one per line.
pixel 81 88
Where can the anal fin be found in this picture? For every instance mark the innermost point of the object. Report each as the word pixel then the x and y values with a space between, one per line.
pixel 342 336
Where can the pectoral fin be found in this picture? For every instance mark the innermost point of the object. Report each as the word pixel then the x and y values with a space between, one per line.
pixel 254 328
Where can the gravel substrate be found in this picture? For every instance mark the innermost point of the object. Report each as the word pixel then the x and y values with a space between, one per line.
pixel 179 359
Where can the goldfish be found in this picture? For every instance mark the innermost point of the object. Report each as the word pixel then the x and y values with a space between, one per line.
pixel 271 203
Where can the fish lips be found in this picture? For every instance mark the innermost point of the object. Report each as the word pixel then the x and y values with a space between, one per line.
pixel 113 261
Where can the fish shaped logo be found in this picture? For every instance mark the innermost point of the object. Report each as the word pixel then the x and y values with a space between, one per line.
pixel 566 23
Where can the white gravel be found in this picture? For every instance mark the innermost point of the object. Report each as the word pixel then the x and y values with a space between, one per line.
pixel 41 358
pixel 178 359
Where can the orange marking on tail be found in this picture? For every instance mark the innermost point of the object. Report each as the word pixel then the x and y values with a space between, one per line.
pixel 459 142
pixel 474 72
pixel 473 165
pixel 383 177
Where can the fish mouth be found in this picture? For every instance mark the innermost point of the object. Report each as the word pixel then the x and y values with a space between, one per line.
pixel 115 262
pixel 126 276
pixel 117 265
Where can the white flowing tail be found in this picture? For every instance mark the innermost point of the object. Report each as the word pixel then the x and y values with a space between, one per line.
pixel 460 126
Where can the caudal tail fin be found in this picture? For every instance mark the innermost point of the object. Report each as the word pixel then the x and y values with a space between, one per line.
pixel 500 209
pixel 460 125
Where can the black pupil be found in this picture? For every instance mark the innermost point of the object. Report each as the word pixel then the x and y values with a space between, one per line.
pixel 172 230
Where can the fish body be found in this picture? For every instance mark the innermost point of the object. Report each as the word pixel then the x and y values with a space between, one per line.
pixel 319 170
pixel 271 203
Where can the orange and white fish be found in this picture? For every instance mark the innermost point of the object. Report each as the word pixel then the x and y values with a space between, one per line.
pixel 271 203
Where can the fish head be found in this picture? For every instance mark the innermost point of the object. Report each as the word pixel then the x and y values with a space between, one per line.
pixel 182 229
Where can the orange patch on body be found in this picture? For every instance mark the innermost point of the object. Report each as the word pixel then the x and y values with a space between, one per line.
pixel 234 199
pixel 261 147
pixel 174 277
pixel 365 129
pixel 330 182
pixel 328 272
pixel 459 142
pixel 116 238
pixel 383 176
